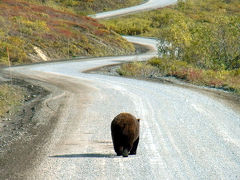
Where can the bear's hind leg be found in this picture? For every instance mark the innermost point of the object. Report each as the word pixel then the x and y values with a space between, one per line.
pixel 125 152
pixel 118 149
pixel 126 149
pixel 134 148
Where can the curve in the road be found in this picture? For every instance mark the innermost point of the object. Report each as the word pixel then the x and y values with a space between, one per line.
pixel 149 5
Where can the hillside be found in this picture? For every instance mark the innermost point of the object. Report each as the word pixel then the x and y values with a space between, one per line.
pixel 203 42
pixel 92 6
pixel 33 32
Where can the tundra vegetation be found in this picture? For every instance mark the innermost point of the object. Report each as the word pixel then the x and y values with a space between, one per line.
pixel 91 6
pixel 57 30
pixel 199 41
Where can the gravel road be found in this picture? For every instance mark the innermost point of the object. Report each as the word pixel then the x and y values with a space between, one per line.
pixel 184 134
pixel 149 5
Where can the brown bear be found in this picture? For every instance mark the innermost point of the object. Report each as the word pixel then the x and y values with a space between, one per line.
pixel 125 134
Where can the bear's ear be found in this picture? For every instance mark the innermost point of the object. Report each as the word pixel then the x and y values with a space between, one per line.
pixel 138 120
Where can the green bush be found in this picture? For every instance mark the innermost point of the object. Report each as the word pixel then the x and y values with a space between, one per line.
pixel 137 69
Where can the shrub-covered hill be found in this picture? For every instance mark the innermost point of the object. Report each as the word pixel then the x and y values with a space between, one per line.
pixel 205 33
pixel 92 6
pixel 34 32
pixel 203 42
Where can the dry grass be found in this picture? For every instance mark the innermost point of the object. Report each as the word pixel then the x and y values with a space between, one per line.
pixel 10 97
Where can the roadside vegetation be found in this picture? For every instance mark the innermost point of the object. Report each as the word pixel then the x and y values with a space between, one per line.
pixel 10 97
pixel 164 67
pixel 199 41
pixel 86 7
pixel 32 32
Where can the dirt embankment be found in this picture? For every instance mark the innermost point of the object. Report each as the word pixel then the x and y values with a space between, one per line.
pixel 23 133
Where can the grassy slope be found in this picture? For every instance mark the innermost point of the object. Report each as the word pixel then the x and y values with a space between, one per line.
pixel 93 6
pixel 198 11
pixel 58 33
pixel 207 34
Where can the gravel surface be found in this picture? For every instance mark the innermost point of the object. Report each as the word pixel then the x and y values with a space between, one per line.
pixel 184 134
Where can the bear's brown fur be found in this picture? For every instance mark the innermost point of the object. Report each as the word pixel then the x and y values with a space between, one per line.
pixel 125 134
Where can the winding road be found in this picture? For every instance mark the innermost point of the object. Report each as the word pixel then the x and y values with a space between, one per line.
pixel 184 133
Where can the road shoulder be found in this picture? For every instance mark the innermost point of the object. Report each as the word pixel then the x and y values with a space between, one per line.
pixel 29 128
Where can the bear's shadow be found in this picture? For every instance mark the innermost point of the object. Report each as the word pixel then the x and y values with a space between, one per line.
pixel 90 155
